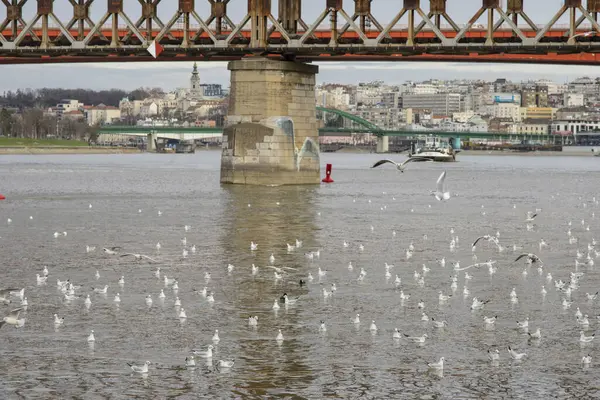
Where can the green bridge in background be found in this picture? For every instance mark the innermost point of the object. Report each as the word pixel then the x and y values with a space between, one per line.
pixel 361 126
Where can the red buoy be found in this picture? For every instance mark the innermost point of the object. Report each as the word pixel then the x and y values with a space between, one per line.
pixel 327 175
pixel 2 197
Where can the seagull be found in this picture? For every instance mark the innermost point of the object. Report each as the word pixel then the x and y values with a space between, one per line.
pixel 531 258
pixel 216 339
pixel 439 193
pixel 586 339
pixel 140 369
pixel 494 355
pixel 373 327
pixel 438 324
pixel 41 279
pixel 287 300
pixel 190 362
pixel 356 319
pixel 400 166
pixel 490 320
pixel 253 321
pixel 138 257
pixel 489 238
pixel 91 338
pixel 58 321
pixel 253 246
pixel 279 337
pixel 12 319
pixel 204 354
pixel 437 365
pixel 515 355
pixel 102 291
pixel 111 251
pixel 226 364
pixel 322 327
pixel 524 324
pixel 586 359
pixel 397 334
pixel 417 339
pixel 530 216
pixel 535 335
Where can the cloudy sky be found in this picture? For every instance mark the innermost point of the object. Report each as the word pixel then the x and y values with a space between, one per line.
pixel 172 75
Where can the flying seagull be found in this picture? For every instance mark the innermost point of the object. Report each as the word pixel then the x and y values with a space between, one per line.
pixel 530 216
pixel 12 318
pixel 400 167
pixel 532 258
pixel 138 257
pixel 439 193
pixel 489 238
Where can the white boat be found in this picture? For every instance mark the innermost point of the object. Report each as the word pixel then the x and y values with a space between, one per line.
pixel 440 154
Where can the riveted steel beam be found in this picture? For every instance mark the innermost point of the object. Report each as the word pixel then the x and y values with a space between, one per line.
pixel 593 8
pixel 44 13
pixel 289 19
pixel 218 14
pixel 333 9
pixel 362 11
pixel 81 12
pixel 437 11
pixel 114 10
pixel 149 16
pixel 491 6
pixel 14 17
pixel 571 6
pixel 410 8
pixel 259 11
pixel 186 11
pixel 514 9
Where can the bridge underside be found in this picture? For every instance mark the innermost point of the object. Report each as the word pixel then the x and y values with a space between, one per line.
pixel 493 33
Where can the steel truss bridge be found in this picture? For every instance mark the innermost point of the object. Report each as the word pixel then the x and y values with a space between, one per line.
pixel 344 30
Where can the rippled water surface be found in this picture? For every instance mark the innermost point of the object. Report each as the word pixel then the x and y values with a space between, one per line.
pixel 490 194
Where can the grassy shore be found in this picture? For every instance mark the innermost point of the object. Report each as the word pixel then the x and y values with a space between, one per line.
pixel 56 146
pixel 20 142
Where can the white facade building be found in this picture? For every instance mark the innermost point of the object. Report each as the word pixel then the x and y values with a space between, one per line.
pixel 573 99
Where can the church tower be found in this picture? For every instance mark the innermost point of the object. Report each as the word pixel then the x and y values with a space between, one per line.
pixel 195 90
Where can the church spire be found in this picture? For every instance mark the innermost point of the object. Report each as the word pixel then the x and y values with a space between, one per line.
pixel 195 90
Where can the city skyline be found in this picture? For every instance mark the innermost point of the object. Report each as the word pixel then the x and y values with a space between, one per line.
pixel 171 75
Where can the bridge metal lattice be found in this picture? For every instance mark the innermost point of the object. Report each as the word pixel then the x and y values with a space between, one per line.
pixel 344 30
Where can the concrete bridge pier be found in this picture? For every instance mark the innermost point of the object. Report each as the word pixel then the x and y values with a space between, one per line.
pixel 151 142
pixel 383 144
pixel 271 133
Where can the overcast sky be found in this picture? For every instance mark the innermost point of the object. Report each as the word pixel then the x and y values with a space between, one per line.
pixel 172 75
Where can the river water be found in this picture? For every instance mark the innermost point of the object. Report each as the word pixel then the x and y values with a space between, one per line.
pixel 489 194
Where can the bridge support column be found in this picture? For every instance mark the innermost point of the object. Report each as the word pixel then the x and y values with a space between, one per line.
pixel 151 142
pixel 271 134
pixel 383 144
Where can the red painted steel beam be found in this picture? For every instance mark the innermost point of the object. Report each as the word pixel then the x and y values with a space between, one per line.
pixel 326 34
pixel 550 58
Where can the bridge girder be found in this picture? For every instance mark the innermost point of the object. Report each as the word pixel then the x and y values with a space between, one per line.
pixel 411 32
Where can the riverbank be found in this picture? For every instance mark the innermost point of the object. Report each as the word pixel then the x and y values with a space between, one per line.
pixel 66 150
pixel 527 153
